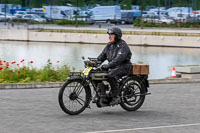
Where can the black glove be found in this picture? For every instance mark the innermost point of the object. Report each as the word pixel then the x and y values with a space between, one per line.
pixel 105 66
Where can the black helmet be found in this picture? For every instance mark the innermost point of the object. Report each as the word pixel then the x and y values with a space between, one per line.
pixel 115 30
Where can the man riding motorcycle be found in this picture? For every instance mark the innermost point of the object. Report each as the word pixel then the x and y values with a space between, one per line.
pixel 118 55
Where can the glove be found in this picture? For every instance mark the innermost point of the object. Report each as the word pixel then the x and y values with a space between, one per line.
pixel 105 66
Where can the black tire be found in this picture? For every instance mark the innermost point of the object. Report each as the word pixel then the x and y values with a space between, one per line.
pixel 68 97
pixel 132 94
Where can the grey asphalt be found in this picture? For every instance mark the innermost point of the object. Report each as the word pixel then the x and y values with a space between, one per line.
pixel 171 108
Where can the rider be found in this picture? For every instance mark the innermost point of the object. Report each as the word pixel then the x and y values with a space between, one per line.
pixel 118 55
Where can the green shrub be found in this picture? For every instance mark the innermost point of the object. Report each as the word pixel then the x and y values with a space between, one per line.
pixel 11 72
pixel 138 23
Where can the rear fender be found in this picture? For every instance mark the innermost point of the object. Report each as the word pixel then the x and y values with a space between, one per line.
pixel 142 78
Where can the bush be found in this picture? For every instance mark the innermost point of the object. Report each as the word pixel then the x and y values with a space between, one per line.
pixel 58 22
pixel 138 23
pixel 70 22
pixel 11 72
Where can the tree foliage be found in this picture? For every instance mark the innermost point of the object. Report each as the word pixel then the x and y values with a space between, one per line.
pixel 126 4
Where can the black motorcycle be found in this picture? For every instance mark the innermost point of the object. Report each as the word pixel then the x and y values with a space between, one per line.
pixel 76 93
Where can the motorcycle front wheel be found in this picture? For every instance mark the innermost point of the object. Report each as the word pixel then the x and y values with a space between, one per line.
pixel 73 97
pixel 132 94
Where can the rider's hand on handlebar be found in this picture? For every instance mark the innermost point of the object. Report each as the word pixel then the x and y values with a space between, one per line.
pixel 105 66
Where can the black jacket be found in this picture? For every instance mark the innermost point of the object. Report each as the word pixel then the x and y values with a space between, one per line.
pixel 117 53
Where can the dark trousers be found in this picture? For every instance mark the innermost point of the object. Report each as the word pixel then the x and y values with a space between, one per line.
pixel 116 73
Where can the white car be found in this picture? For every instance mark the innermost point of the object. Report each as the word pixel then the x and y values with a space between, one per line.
pixel 165 20
pixel 6 17
pixel 33 17
pixel 161 20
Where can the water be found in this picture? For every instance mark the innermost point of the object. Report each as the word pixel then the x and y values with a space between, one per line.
pixel 159 58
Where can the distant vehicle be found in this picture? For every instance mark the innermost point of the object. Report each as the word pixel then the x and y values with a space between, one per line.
pixel 41 14
pixel 6 17
pixel 157 20
pixel 181 18
pixel 33 17
pixel 166 20
pixel 109 14
pixel 59 12
pixel 179 13
pixel 19 14
pixel 126 18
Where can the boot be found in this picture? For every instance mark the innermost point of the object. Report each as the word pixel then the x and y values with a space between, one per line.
pixel 115 101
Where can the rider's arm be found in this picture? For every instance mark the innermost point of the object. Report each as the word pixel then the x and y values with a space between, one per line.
pixel 102 57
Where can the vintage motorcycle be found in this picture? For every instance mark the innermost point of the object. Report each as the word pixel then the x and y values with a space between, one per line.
pixel 76 93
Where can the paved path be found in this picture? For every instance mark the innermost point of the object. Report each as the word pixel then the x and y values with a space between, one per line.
pixel 172 108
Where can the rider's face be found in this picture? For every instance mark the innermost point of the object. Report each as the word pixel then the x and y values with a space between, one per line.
pixel 112 38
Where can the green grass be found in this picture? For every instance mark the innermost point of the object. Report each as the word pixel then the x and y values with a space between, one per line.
pixel 11 72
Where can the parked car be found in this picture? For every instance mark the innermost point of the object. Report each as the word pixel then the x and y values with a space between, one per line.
pixel 19 14
pixel 166 20
pixel 33 17
pixel 126 18
pixel 6 17
pixel 159 20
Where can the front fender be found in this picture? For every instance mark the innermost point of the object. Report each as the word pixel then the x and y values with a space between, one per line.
pixel 75 78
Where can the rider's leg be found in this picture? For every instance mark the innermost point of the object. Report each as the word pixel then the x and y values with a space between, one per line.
pixel 112 79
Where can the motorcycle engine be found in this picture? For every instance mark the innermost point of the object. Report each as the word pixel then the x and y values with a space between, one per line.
pixel 104 99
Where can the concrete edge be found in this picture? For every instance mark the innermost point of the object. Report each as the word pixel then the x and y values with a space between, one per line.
pixel 59 84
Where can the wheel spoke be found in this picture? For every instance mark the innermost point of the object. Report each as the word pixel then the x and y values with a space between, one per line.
pixel 79 91
pixel 74 97
pixel 79 102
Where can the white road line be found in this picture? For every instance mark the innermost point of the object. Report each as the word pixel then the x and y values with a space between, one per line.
pixel 146 128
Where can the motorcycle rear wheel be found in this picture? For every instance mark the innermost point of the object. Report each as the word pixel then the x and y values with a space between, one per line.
pixel 73 97
pixel 132 94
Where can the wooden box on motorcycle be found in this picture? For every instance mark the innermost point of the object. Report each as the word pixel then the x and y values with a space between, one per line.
pixel 140 69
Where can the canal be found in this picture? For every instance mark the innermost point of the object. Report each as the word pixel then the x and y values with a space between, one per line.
pixel 159 58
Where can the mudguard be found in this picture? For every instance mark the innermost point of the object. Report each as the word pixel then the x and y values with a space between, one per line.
pixel 142 78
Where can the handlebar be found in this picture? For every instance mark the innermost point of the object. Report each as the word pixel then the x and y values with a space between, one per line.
pixel 91 62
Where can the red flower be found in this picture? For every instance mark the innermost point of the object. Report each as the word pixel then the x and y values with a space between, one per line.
pixel 22 60
pixel 23 68
pixel 1 62
pixel 1 68
pixel 13 62
pixel 11 71
pixel 58 61
pixel 31 61
pixel 37 76
pixel 7 63
pixel 17 64
pixel 4 61
pixel 18 71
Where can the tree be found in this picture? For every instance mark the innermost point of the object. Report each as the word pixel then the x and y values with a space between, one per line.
pixel 126 4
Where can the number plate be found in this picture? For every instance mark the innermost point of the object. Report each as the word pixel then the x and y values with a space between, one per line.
pixel 86 71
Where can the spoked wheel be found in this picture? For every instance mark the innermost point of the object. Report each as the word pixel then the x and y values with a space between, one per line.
pixel 132 94
pixel 74 97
